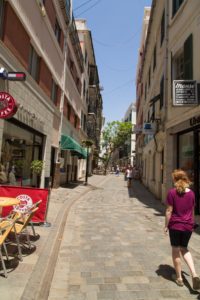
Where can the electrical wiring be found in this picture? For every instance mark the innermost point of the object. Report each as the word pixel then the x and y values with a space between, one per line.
pixel 119 87
pixel 83 4
pixel 115 69
pixel 88 8
pixel 117 44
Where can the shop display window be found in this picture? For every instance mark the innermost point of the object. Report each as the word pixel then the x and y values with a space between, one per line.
pixel 186 153
pixel 19 148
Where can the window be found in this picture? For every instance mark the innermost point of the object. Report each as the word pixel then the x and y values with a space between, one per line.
pixel 178 66
pixel 186 152
pixel 84 89
pixel 161 92
pixel 162 30
pixel 149 76
pixel 54 92
pixel 154 58
pixel 34 63
pixel 175 6
pixel 188 58
pixel 182 65
pixel 145 95
pixel 2 3
pixel 75 121
pixel 68 111
pixel 85 57
pixel 57 31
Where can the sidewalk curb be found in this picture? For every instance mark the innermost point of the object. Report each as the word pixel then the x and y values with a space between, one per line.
pixel 42 275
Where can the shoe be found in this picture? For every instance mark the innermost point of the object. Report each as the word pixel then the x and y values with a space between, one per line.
pixel 196 283
pixel 178 281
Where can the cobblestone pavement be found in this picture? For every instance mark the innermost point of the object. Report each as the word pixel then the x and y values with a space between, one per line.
pixel 113 247
pixel 30 279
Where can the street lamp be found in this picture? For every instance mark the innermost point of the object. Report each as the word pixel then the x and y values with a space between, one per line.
pixel 88 144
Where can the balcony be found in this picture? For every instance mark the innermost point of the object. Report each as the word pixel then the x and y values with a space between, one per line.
pixel 76 43
pixel 65 6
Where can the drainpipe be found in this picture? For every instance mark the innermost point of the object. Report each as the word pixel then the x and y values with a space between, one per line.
pixel 166 60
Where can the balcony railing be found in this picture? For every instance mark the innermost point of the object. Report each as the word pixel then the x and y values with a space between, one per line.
pixel 65 5
pixel 76 43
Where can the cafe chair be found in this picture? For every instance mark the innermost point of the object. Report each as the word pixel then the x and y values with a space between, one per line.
pixel 24 209
pixel 6 226
pixel 20 226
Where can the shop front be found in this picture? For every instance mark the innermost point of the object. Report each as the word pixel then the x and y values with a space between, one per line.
pixel 21 145
pixel 188 156
pixel 71 154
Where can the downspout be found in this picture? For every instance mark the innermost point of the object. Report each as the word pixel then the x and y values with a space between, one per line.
pixel 166 60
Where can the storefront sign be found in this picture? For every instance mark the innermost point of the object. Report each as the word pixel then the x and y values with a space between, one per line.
pixel 28 195
pixel 184 92
pixel 8 106
pixel 149 128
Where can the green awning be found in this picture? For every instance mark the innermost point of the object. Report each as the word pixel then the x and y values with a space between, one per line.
pixel 68 143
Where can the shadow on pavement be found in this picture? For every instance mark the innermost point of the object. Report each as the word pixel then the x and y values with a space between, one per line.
pixel 72 185
pixel 139 191
pixel 167 272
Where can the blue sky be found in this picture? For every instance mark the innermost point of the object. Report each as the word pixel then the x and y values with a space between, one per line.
pixel 116 29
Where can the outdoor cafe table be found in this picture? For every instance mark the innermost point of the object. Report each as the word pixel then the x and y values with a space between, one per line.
pixel 8 201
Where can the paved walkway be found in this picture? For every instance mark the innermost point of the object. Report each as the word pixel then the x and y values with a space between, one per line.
pixel 104 243
pixel 113 248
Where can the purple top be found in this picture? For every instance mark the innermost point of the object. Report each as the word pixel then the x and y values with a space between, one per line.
pixel 182 213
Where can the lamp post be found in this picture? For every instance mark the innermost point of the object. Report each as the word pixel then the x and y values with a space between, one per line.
pixel 87 166
pixel 88 144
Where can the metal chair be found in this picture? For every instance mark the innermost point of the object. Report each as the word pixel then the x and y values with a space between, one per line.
pixel 20 226
pixel 6 226
pixel 24 209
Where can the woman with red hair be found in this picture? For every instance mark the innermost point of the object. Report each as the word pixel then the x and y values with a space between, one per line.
pixel 179 221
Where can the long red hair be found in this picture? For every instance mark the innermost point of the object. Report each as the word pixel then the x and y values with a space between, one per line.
pixel 181 180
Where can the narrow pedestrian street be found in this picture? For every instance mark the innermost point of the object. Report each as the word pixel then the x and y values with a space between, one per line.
pixel 113 247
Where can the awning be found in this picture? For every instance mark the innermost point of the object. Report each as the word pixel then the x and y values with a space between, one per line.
pixel 68 143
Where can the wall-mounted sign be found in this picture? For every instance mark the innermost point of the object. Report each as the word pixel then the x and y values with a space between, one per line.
pixel 8 106
pixel 149 128
pixel 184 92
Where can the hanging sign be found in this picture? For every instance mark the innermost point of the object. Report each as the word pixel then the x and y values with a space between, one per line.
pixel 8 106
pixel 184 92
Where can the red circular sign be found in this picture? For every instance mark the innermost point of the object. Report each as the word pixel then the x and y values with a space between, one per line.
pixel 8 106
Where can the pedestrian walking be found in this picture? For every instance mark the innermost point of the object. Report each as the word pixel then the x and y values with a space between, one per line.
pixel 179 221
pixel 117 171
pixel 129 176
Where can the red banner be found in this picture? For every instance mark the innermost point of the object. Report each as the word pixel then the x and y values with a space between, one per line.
pixel 28 195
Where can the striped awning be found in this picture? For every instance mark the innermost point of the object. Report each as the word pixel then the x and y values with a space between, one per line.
pixel 68 143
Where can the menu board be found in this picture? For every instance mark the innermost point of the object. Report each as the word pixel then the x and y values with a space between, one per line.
pixel 185 92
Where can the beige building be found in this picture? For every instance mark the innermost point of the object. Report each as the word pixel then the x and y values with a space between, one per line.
pixel 49 118
pixel 170 109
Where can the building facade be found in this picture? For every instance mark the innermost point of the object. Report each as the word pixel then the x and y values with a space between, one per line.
pixel 40 39
pixel 127 151
pixel 171 55
pixel 92 92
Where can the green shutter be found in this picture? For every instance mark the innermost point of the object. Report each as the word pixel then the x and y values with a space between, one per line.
pixel 188 58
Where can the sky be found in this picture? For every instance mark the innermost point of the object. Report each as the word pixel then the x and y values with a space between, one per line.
pixel 116 27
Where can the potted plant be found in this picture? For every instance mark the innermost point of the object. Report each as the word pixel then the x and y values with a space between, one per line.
pixel 36 168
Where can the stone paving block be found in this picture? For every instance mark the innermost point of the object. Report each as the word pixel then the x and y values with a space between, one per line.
pixel 112 280
pixel 107 287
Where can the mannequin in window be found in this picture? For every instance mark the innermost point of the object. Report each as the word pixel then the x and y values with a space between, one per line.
pixel 11 176
pixel 3 175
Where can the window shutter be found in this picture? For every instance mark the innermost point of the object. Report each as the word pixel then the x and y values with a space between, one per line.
pixel 188 58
